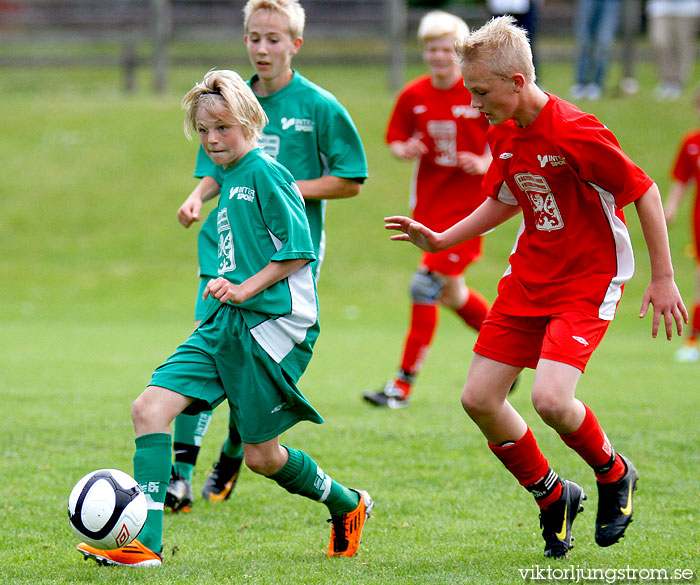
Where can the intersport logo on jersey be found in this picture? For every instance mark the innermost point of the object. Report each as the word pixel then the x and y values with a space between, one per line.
pixel 242 193
pixel 553 159
pixel 299 124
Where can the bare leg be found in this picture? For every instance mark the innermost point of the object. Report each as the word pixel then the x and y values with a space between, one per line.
pixel 484 400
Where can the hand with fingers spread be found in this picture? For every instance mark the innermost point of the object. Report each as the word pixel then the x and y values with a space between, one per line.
pixel 414 232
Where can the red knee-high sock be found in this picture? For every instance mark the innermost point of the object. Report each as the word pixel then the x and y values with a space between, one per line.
pixel 424 320
pixel 695 323
pixel 591 443
pixel 474 309
pixel 530 467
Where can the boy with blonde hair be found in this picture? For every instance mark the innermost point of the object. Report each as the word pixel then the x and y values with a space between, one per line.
pixel 311 134
pixel 434 125
pixel 255 342
pixel 565 172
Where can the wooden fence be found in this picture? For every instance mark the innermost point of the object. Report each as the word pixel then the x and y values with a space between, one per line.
pixel 157 23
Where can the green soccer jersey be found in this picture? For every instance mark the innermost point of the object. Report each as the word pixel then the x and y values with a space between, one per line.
pixel 311 134
pixel 260 219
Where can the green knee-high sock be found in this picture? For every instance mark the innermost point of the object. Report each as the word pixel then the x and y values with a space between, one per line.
pixel 152 462
pixel 188 431
pixel 233 446
pixel 300 475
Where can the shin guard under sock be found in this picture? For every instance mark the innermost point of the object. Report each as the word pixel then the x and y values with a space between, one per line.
pixel 152 463
pixel 301 475
pixel 591 443
pixel 529 466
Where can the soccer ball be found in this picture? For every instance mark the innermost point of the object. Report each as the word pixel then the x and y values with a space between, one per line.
pixel 107 509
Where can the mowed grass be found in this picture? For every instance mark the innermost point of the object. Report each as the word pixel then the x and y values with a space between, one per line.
pixel 97 284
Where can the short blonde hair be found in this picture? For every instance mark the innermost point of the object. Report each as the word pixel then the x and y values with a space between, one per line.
pixel 500 45
pixel 438 23
pixel 294 12
pixel 226 88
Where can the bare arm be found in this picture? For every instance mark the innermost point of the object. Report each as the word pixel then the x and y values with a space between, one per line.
pixel 485 217
pixel 662 291
pixel 329 187
pixel 190 210
pixel 474 164
pixel 673 201
pixel 408 149
pixel 224 290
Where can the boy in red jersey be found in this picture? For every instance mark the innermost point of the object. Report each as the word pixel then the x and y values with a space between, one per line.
pixel 565 172
pixel 434 124
pixel 686 171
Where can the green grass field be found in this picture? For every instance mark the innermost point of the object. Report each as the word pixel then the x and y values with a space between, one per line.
pixel 97 283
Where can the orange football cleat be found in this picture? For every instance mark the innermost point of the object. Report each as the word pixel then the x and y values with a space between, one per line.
pixel 132 555
pixel 346 529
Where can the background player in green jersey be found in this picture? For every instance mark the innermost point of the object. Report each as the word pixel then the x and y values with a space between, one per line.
pixel 311 134
pixel 254 343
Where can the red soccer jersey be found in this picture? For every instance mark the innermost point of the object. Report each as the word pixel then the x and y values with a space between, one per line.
pixel 443 119
pixel 686 169
pixel 571 179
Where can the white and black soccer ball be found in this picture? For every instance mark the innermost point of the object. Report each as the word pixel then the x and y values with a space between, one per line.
pixel 107 509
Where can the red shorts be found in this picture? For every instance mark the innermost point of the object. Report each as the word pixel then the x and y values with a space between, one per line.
pixel 569 338
pixel 453 261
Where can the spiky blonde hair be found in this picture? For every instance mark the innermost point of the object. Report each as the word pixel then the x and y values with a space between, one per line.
pixel 500 45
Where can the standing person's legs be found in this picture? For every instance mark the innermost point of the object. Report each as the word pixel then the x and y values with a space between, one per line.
pixel 608 20
pixel 660 34
pixel 584 38
pixel 686 47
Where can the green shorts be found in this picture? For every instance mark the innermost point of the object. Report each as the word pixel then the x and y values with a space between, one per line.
pixel 201 306
pixel 221 360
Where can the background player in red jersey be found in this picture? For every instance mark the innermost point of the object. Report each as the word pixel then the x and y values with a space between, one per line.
pixel 434 124
pixel 565 172
pixel 686 172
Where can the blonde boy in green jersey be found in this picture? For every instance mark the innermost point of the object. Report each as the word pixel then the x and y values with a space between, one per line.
pixel 255 342
pixel 311 134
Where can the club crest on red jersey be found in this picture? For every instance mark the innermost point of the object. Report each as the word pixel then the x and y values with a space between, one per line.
pixel 444 134
pixel 544 205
